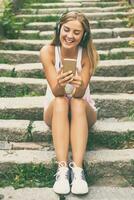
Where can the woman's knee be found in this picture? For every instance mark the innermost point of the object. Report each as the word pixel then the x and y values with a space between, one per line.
pixel 78 105
pixel 61 104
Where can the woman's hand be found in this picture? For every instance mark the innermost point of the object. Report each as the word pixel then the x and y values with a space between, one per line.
pixel 77 80
pixel 64 78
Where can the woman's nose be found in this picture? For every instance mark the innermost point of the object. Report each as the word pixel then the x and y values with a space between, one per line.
pixel 70 34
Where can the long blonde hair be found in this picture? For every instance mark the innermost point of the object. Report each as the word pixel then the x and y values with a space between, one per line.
pixel 86 41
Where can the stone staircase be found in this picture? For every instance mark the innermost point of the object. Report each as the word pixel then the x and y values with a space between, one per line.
pixel 25 140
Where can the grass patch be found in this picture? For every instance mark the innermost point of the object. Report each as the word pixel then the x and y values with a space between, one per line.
pixel 8 90
pixel 117 56
pixel 5 61
pixel 111 141
pixel 131 114
pixel 38 19
pixel 28 175
pixel 129 174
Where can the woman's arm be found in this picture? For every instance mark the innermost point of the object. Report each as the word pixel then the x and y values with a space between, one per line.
pixel 81 80
pixel 57 81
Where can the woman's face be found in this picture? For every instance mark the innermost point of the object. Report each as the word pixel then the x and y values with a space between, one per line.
pixel 71 34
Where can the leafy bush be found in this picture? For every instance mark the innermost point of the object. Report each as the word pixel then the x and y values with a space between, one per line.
pixel 8 26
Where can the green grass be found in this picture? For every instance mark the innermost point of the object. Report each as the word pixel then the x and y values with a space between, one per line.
pixel 131 114
pixel 38 19
pixel 7 90
pixel 117 56
pixel 28 175
pixel 111 141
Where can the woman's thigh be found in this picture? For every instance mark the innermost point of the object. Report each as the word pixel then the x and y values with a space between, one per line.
pixel 48 113
pixel 91 115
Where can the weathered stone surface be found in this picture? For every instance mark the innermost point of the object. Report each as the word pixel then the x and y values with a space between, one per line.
pixel 11 87
pixel 26 156
pixel 96 33
pixel 28 193
pixel 115 68
pixel 112 105
pixel 35 45
pixel 106 193
pixel 13 130
pixel 115 105
pixel 90 16
pixel 123 32
pixel 73 4
pixel 112 84
pixel 28 145
pixel 105 44
pixel 40 131
pixel 33 70
pixel 22 108
pixel 45 26
pixel 62 9
pixel 98 164
pixel 20 44
pixel 20 56
pixel 29 34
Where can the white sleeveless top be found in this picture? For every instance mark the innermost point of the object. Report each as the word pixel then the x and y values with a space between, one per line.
pixel 49 95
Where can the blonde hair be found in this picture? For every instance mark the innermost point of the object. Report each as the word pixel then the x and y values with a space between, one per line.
pixel 86 41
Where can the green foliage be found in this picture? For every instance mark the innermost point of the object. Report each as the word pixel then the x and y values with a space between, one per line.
pixel 9 28
pixel 28 175
pixel 111 141
pixel 131 114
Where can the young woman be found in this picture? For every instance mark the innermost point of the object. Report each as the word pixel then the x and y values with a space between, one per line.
pixel 69 108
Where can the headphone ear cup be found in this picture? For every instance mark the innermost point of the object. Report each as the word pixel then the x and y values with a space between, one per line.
pixel 57 29
pixel 85 39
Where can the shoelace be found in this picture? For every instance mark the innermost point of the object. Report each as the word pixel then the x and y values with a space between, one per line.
pixel 79 173
pixel 61 172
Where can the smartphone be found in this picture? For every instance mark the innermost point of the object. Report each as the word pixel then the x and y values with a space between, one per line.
pixel 69 65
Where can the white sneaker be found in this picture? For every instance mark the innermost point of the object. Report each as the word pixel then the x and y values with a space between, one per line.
pixel 61 185
pixel 79 184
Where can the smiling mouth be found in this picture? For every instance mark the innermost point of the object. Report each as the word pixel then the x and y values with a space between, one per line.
pixel 70 41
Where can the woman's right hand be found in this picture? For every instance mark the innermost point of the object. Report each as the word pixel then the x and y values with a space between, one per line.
pixel 64 77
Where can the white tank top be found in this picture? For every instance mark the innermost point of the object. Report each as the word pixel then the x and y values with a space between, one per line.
pixel 49 95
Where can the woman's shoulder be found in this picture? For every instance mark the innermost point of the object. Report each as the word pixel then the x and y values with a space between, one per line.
pixel 48 50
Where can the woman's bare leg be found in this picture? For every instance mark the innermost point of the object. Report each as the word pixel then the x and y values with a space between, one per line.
pixel 82 117
pixel 57 117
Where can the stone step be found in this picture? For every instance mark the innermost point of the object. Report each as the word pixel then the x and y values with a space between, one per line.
pixel 107 193
pixel 112 84
pixel 11 87
pixel 115 68
pixel 33 193
pixel 105 1
pixel 96 33
pixel 23 56
pixel 111 23
pixel 74 4
pixel 15 87
pixel 36 45
pixel 109 105
pixel 95 193
pixel 116 165
pixel 6 145
pixel 44 10
pixel 19 56
pixel 109 133
pixel 90 16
